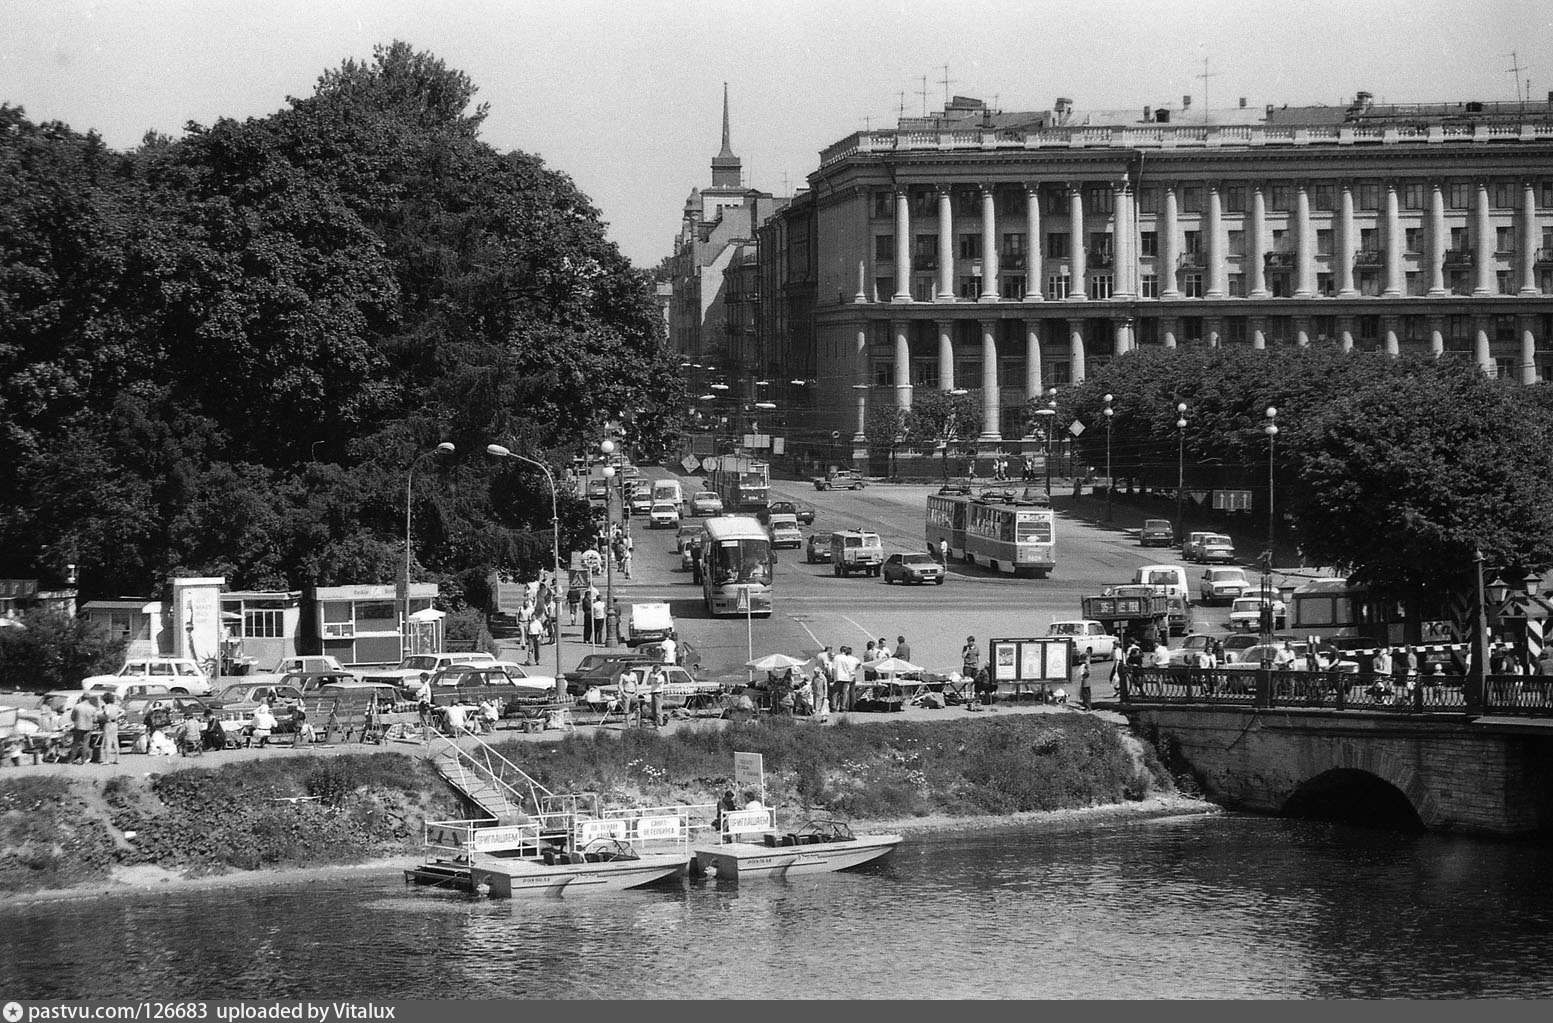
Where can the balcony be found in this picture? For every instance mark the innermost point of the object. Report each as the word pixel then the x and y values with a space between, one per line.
pixel 1458 257
pixel 1279 259
pixel 1545 255
pixel 925 262
pixel 1013 260
pixel 1101 260
pixel 1189 260
pixel 1368 257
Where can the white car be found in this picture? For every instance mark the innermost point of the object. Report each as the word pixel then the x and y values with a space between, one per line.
pixel 1191 648
pixel 181 675
pixel 784 531
pixel 416 668
pixel 705 502
pixel 1245 614
pixel 1089 637
pixel 663 514
pixel 1223 585
pixel 1193 543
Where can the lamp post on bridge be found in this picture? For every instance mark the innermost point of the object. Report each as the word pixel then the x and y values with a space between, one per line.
pixel 498 451
pixel 1180 472
pixel 1110 481
pixel 1271 429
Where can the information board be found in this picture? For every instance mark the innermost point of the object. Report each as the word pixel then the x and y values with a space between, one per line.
pixel 1043 659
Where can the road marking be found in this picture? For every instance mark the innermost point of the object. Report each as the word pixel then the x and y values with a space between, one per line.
pixel 859 628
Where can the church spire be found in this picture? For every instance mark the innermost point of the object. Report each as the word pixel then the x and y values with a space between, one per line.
pixel 727 170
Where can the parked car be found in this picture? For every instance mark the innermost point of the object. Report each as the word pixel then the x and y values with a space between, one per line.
pixel 523 676
pixel 805 514
pixel 913 567
pixel 1192 646
pixel 1157 533
pixel 597 668
pixel 1222 584
pixel 784 531
pixel 705 502
pixel 415 668
pixel 841 479
pixel 181 675
pixel 463 683
pixel 817 548
pixel 243 697
pixel 123 689
pixel 1216 547
pixel 662 515
pixel 1245 614
pixel 1192 542
pixel 309 682
pixel 1089 637
pixel 1235 646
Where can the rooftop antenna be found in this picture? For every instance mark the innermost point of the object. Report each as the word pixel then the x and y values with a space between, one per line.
pixel 1206 74
pixel 868 123
pixel 946 82
pixel 1515 69
pixel 787 187
pixel 902 114
pixel 923 93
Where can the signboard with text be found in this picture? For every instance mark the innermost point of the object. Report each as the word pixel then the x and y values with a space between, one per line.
pixel 749 771
pixel 1044 659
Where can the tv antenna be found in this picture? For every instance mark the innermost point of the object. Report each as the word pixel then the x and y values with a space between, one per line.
pixel 923 93
pixel 1515 68
pixel 946 82
pixel 902 111
pixel 1206 74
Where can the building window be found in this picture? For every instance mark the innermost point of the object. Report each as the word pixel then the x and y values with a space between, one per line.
pixel 925 254
pixel 1502 278
pixel 1412 239
pixel 1459 195
pixel 1413 196
pixel 1504 369
pixel 1501 195
pixel 1461 240
pixel 924 372
pixel 1413 328
pixel 1148 200
pixel 1545 285
pixel 1368 328
pixel 1504 328
pixel 969 287
pixel 1056 200
pixel 1099 200
pixel 1058 374
pixel 1057 285
pixel 1191 199
pixel 1237 285
pixel 1323 241
pixel 1234 198
pixel 1100 248
pixel 1235 330
pixel 1278 197
pixel 884 248
pixel 1460 329
pixel 1459 282
pixel 1191 328
pixel 1013 245
pixel 1369 239
pixel 1148 330
pixel 1321 197
pixel 884 288
pixel 884 373
pixel 967 372
pixel 1057 244
pixel 1369 283
pixel 1323 327
pixel 1278 285
pixel 1100 285
pixel 1148 243
pixel 1012 286
pixel 923 287
pixel 1504 239
pixel 1414 282
pixel 1237 243
pixel 1193 288
pixel 1148 286
pixel 1191 242
pixel 1280 329
pixel 264 624
pixel 119 626
pixel 1369 197
pixel 884 205
pixel 1324 285
pixel 967 203
pixel 970 246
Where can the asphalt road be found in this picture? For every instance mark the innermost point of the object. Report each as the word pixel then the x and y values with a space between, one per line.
pixel 814 608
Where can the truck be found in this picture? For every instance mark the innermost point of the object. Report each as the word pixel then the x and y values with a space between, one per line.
pixel 743 484
pixel 1129 610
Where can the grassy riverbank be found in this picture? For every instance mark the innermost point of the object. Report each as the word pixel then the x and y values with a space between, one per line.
pixel 62 833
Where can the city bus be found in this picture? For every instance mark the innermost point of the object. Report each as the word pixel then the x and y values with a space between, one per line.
pixel 736 562
pixel 1011 536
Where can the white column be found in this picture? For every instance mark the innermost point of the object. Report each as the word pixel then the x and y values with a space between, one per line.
pixel 1167 326
pixel 1344 240
pixel 1345 333
pixel 989 381
pixel 989 245
pixel 1394 244
pixel 1259 333
pixel 1304 245
pixel 1481 353
pixel 1124 336
pixel 1213 228
pixel 1530 238
pixel 902 363
pixel 1436 338
pixel 1169 247
pixel 1528 352
pixel 1033 387
pixel 1033 268
pixel 1482 244
pixel 945 247
pixel 1078 291
pixel 860 385
pixel 1122 259
pixel 946 355
pixel 1393 347
pixel 1076 352
pixel 1439 241
pixel 1258 240
pixel 902 247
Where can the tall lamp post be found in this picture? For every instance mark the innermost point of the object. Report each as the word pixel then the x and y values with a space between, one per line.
pixel 1110 481
pixel 607 446
pixel 1180 472
pixel 1271 429
pixel 1049 414
pixel 498 451
pixel 445 448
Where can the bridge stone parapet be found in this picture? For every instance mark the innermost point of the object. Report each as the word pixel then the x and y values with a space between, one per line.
pixel 1479 776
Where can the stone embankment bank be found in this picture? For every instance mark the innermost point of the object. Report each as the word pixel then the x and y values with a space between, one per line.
pixel 286 810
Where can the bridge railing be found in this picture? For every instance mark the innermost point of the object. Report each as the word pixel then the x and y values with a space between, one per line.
pixel 1518 695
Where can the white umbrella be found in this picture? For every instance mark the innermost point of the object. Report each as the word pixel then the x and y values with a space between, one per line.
pixel 775 662
pixel 891 666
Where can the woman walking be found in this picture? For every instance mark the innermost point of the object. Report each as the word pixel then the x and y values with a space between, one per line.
pixel 109 718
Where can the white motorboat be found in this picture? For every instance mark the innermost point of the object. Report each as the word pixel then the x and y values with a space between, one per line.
pixel 751 846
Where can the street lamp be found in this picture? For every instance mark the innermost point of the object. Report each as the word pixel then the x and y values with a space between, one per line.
pixel 1271 429
pixel 445 448
pixel 497 451
pixel 607 446
pixel 1049 413
pixel 1110 481
pixel 1180 472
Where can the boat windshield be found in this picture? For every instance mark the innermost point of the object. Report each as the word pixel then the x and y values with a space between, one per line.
pixel 741 561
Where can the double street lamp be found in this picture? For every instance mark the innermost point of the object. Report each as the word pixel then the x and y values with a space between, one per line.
pixel 1180 471
pixel 1110 481
pixel 1271 429
pixel 445 448
pixel 1049 414
pixel 497 451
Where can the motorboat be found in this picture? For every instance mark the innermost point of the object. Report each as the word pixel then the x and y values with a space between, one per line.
pixel 752 846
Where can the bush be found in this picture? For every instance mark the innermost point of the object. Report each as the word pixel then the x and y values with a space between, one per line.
pixel 55 651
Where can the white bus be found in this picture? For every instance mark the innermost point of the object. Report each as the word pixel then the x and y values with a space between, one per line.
pixel 1015 537
pixel 736 565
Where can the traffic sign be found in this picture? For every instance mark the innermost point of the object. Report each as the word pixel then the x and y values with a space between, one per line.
pixel 744 599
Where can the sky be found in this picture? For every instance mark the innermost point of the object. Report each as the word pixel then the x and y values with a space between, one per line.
pixel 626 97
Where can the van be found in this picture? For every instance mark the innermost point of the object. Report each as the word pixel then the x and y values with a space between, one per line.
pixel 856 550
pixel 669 491
pixel 1167 579
pixel 649 623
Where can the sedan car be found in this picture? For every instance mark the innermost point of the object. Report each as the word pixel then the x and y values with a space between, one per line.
pixel 1245 614
pixel 705 502
pixel 663 514
pixel 817 548
pixel 309 682
pixel 598 489
pixel 1223 584
pixel 641 502
pixel 1156 533
pixel 1193 541
pixel 784 531
pixel 243 697
pixel 1192 648
pixel 1216 547
pixel 913 568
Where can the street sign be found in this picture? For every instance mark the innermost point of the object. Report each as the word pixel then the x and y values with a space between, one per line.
pixel 1232 500
pixel 749 772
pixel 1075 428
pixel 744 599
pixel 835 435
pixel 690 463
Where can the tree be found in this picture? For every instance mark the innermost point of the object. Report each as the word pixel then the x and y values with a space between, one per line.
pixel 944 417
pixel 887 427
pixel 55 651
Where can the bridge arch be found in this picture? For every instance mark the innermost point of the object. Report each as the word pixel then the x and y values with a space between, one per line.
pixel 1353 797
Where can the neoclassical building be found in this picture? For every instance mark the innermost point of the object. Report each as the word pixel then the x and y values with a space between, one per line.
pixel 1008 253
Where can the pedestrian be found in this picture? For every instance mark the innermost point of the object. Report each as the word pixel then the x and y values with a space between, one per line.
pixel 943 551
pixel 525 615
pixel 985 689
pixel 1085 693
pixel 573 599
pixel 970 657
pixel 870 654
pixel 552 619
pixel 587 613
pixel 819 689
pixel 845 666
pixel 882 648
pixel 670 650
pixel 1410 661
pixel 110 716
pixel 655 684
pixel 83 721
pixel 902 649
pixel 302 737
pixel 263 724
pixel 536 633
pixel 598 618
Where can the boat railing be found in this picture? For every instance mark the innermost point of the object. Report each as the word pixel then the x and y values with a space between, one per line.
pixel 736 823
pixel 650 825
pixel 464 838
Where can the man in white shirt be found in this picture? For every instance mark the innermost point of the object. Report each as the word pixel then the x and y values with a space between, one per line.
pixel 844 666
pixel 670 650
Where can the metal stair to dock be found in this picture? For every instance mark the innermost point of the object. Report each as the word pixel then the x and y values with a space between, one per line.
pixel 502 790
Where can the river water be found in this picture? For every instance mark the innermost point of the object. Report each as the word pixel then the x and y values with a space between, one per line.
pixel 1210 906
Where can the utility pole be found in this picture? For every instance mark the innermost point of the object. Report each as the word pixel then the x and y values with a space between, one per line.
pixel 1515 68
pixel 946 82
pixel 1205 76
pixel 923 93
